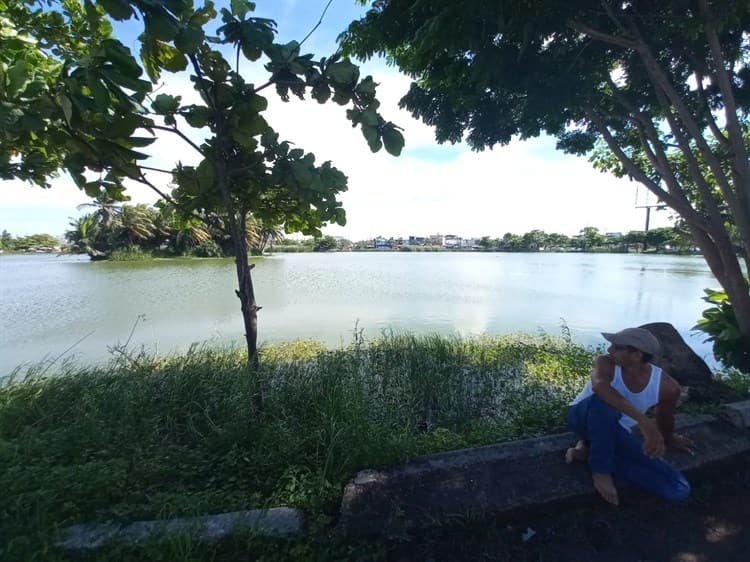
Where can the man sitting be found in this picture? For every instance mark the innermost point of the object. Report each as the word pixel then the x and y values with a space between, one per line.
pixel 623 386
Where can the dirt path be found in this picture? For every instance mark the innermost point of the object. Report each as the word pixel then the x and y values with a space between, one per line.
pixel 712 526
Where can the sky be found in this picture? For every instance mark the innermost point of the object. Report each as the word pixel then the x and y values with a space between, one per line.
pixel 429 189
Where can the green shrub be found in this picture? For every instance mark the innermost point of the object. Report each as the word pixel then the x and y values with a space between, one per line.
pixel 207 249
pixel 131 253
pixel 720 323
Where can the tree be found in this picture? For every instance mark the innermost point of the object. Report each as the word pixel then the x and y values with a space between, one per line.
pixel 135 225
pixel 325 244
pixel 657 91
pixel 83 235
pixel 78 96
pixel 534 240
pixel 590 237
pixel 6 239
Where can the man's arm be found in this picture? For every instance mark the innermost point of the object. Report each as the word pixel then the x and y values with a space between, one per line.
pixel 669 395
pixel 601 384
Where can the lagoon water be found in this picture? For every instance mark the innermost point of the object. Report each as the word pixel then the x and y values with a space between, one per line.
pixel 61 307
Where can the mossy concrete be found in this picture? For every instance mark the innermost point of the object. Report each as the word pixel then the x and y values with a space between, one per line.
pixel 501 478
pixel 480 481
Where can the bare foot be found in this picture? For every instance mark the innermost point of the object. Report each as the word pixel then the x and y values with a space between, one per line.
pixel 606 487
pixel 578 453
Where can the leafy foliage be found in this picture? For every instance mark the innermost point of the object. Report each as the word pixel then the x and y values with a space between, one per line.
pixel 657 91
pixel 75 99
pixel 720 323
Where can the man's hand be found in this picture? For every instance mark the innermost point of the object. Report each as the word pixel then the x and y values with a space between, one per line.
pixel 681 443
pixel 653 441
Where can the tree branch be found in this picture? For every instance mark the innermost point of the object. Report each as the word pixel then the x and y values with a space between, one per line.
pixel 718 133
pixel 155 169
pixel 180 134
pixel 662 84
pixel 679 204
pixel 740 165
pixel 603 37
pixel 317 25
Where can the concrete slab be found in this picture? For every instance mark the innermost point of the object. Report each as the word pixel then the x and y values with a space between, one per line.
pixel 738 413
pixel 276 522
pixel 501 478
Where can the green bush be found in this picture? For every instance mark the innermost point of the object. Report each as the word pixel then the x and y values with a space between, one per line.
pixel 131 253
pixel 720 323
pixel 207 249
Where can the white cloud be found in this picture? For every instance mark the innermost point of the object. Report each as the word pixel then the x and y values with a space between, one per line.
pixel 429 189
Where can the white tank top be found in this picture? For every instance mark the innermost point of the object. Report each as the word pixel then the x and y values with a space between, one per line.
pixel 642 400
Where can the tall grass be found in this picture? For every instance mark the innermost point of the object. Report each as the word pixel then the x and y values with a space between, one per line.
pixel 154 437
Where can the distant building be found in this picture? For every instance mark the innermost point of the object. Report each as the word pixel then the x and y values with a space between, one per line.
pixel 381 242
pixel 436 239
pixel 417 240
pixel 451 241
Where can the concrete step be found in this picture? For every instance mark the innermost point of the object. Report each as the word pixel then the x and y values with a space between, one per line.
pixel 501 478
pixel 274 522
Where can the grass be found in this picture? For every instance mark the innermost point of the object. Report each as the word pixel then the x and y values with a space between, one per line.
pixel 156 437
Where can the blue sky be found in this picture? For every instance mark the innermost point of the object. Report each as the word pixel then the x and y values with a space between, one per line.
pixel 429 189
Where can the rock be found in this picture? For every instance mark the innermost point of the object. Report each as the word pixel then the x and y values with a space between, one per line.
pixel 677 358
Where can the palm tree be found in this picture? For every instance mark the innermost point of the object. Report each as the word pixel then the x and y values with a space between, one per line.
pixel 83 236
pixel 135 224
pixel 189 233
pixel 260 234
pixel 106 208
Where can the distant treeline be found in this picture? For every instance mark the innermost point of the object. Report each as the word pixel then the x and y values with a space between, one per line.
pixel 122 231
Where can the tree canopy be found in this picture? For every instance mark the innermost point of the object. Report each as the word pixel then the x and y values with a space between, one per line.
pixel 75 99
pixel 655 90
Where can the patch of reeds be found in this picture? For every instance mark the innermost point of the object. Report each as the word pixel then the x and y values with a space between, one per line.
pixel 152 437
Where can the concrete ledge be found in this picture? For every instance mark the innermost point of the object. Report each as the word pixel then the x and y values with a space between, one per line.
pixel 276 522
pixel 502 478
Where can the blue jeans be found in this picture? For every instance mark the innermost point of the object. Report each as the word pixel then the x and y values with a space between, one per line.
pixel 614 450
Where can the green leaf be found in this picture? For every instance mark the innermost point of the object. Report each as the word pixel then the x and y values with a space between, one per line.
pixel 393 140
pixel 321 93
pixel 118 9
pixel 372 136
pixel 67 107
pixel 205 175
pixel 164 103
pixel 343 73
pixel 170 58
pixel 189 39
pixel 121 57
pixel 240 8
pixel 161 26
pixel 99 92
pixel 197 116
pixel 18 76
pixel 289 51
pixel 124 126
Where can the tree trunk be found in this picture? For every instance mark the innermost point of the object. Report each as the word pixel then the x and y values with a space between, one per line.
pixel 245 292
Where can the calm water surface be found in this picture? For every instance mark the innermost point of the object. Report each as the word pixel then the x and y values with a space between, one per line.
pixel 68 305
